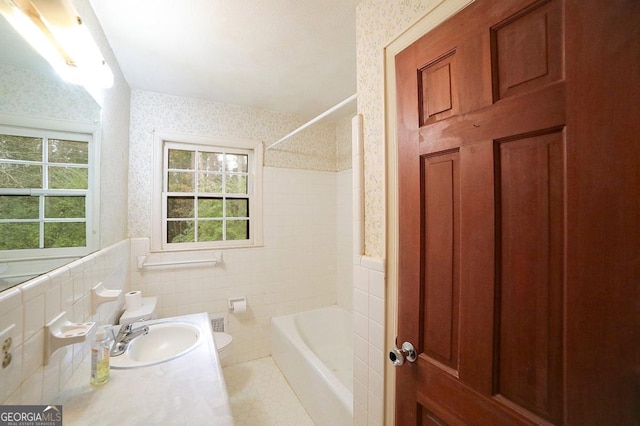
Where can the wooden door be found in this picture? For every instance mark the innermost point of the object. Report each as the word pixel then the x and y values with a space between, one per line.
pixel 490 280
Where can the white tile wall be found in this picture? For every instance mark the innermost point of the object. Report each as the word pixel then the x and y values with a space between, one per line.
pixel 344 235
pixel 369 326
pixel 294 271
pixel 29 306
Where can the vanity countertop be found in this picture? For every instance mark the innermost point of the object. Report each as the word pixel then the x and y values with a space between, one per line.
pixel 189 390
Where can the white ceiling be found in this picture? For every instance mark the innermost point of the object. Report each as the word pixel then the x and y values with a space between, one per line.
pixel 290 56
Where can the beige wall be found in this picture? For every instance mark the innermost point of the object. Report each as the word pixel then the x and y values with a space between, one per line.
pixel 114 138
pixel 311 149
pixel 378 22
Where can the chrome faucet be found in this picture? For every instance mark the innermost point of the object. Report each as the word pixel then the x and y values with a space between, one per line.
pixel 125 335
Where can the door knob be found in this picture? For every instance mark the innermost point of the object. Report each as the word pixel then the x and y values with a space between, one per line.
pixel 397 356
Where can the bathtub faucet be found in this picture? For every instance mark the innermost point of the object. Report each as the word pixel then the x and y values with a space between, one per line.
pixel 126 334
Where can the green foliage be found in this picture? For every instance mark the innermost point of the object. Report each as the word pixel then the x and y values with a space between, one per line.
pixel 219 216
pixel 22 167
pixel 64 207
pixel 20 176
pixel 19 207
pixel 64 234
pixel 73 152
pixel 16 236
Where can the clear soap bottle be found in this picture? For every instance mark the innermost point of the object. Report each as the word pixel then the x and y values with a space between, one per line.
pixel 100 358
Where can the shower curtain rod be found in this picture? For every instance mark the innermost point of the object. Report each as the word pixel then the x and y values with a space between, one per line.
pixel 318 118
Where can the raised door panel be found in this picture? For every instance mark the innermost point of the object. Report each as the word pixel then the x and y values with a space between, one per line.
pixel 530 252
pixel 481 201
pixel 441 260
pixel 527 49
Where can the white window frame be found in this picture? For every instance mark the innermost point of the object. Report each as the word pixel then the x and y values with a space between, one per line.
pixel 191 142
pixel 68 130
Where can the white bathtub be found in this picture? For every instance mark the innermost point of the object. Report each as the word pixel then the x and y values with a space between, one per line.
pixel 314 351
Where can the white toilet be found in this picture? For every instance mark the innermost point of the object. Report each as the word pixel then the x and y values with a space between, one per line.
pixel 223 343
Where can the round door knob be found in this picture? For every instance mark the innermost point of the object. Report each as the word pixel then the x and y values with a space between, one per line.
pixel 397 356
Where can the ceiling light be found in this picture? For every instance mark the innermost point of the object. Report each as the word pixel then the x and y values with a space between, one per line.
pixel 54 29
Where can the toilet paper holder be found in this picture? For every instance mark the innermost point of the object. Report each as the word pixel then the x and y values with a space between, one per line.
pixel 241 304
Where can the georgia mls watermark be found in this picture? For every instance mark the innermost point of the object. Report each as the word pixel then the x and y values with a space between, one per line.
pixel 30 415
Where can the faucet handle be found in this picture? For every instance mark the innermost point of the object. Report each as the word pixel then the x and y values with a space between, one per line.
pixel 124 329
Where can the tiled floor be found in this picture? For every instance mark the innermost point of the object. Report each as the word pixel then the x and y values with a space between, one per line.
pixel 261 396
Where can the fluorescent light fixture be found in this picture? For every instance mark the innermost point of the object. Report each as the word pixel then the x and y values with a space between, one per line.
pixel 54 29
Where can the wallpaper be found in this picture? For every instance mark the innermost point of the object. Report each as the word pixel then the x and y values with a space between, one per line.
pixel 311 149
pixel 377 23
pixel 33 93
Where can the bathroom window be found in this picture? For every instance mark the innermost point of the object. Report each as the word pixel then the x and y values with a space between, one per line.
pixel 46 180
pixel 211 193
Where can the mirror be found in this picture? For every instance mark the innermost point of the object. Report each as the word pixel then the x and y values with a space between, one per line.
pixel 32 90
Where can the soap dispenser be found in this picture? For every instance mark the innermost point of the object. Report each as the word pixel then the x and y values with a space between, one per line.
pixel 100 358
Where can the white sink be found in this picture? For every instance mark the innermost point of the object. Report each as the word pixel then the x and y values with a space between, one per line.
pixel 165 341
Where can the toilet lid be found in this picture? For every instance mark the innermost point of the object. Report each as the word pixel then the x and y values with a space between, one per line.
pixel 222 340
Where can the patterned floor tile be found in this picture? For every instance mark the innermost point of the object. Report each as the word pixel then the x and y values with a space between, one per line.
pixel 261 396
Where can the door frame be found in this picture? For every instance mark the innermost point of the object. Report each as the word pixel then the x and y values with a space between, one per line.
pixel 434 16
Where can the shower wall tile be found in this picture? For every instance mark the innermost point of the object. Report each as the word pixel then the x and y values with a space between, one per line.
pixel 344 236
pixel 295 270
pixel 369 332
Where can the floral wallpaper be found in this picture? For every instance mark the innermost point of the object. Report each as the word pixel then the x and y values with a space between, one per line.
pixel 311 149
pixel 32 93
pixel 377 23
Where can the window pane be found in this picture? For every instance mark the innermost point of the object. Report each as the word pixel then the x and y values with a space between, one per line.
pixel 68 152
pixel 181 182
pixel 237 163
pixel 210 207
pixel 237 230
pixel 209 182
pixel 68 178
pixel 210 230
pixel 237 208
pixel 20 176
pixel 180 231
pixel 210 161
pixel 64 234
pixel 180 207
pixel 20 148
pixel 19 236
pixel 180 159
pixel 236 184
pixel 64 207
pixel 19 207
